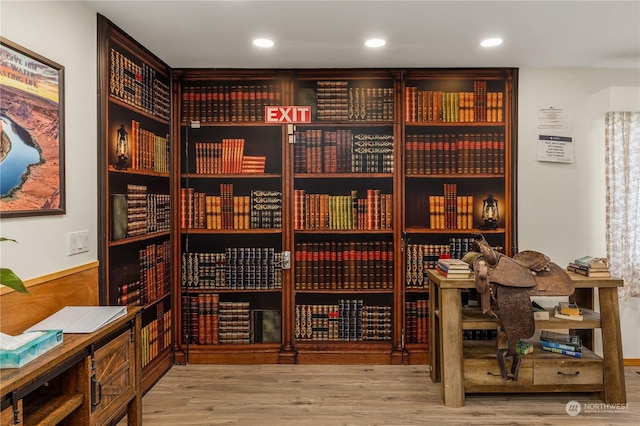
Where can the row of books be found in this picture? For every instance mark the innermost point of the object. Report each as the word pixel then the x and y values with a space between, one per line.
pixel 459 246
pixel 334 100
pixel 419 258
pixel 454 107
pixel 139 213
pixel 450 210
pixel 226 157
pixel 206 320
pixel 262 209
pixel 146 150
pixel 342 151
pixel 349 320
pixel 146 281
pixel 157 335
pixel 417 321
pixel 324 211
pixel 238 268
pixel 343 265
pixel 485 335
pixel 139 85
pixel 228 102
pixel 590 266
pixel 465 153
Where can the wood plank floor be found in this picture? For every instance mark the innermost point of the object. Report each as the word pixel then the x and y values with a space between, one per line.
pixel 309 395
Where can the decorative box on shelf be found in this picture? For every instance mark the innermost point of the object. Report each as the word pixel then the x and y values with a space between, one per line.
pixel 33 348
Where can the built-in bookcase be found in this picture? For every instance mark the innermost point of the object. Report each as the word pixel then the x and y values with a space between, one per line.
pixel 458 151
pixel 345 217
pixel 303 242
pixel 390 173
pixel 231 218
pixel 135 175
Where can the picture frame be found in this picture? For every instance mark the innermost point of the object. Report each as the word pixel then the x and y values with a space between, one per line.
pixel 32 173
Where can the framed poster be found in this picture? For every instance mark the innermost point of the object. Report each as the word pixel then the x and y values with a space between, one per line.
pixel 32 131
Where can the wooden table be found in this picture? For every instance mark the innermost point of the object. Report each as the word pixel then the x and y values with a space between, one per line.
pixel 88 379
pixel 447 351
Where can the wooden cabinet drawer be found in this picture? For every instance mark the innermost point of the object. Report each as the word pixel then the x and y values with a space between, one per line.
pixel 570 372
pixel 115 377
pixel 484 375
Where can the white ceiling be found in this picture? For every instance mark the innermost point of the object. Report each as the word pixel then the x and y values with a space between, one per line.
pixel 425 34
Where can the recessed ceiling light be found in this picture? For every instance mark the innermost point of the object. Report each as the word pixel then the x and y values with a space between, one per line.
pixel 491 42
pixel 375 42
pixel 263 42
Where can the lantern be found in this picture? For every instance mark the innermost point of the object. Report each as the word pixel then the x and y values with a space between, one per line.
pixel 490 213
pixel 122 149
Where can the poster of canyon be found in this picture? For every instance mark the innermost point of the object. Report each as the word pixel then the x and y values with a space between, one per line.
pixel 31 129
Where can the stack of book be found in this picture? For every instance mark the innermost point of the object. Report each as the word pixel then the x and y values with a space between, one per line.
pixel 568 310
pixel 566 344
pixel 453 268
pixel 590 266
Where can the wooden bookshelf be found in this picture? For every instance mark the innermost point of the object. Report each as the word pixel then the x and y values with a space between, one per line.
pixel 231 168
pixel 355 186
pixel 352 198
pixel 135 244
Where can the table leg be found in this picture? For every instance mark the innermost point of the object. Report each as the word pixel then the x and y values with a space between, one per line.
pixel 451 350
pixel 614 385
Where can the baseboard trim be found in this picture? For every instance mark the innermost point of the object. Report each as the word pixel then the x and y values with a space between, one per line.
pixel 632 362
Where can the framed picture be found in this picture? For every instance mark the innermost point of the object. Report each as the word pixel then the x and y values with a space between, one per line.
pixel 32 130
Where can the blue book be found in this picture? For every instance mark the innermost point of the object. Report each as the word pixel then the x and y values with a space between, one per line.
pixel 562 351
pixel 558 345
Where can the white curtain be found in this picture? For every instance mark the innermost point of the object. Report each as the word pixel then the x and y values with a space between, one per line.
pixel 623 199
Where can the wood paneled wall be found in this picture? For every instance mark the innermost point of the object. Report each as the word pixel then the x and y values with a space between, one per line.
pixel 72 287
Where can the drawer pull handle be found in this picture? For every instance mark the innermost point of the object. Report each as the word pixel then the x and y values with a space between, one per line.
pixel 569 374
pixel 96 393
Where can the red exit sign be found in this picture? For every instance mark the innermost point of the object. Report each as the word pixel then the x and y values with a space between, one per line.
pixel 287 114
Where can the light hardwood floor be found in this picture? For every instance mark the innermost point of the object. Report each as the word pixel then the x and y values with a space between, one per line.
pixel 309 395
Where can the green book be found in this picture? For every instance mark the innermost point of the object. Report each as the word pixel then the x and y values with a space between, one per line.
pixel 266 326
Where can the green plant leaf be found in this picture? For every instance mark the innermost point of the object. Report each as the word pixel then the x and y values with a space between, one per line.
pixel 10 279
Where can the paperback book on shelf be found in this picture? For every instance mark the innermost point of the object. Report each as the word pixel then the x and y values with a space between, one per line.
pixel 562 351
pixel 564 338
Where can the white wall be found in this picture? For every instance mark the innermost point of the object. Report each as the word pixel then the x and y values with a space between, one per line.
pixel 64 32
pixel 560 206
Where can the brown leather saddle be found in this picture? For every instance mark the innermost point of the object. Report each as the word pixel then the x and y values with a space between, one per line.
pixel 505 285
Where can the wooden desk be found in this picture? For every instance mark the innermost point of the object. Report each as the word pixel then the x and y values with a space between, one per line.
pixel 89 379
pixel 463 367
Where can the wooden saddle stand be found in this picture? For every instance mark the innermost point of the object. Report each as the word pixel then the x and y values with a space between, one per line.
pixel 505 285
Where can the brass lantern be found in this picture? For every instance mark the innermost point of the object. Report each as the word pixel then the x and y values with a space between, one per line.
pixel 122 149
pixel 490 214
